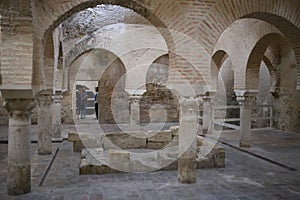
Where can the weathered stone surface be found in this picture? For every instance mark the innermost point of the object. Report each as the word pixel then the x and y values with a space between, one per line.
pixel 167 158
pixel 160 136
pixel 93 161
pixel 187 169
pixel 119 160
pixel 175 130
pixel 78 146
pixel 97 161
pixel 56 116
pixel 73 137
pixel 128 140
pixel 84 140
pixel 19 165
pixel 155 145
pixel 219 156
pixel 187 165
pixel 174 142
pixel 199 141
pixel 44 124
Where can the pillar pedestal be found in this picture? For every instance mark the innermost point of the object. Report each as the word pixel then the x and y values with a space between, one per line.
pixel 44 124
pixel 245 99
pixel 56 116
pixel 187 140
pixel 19 140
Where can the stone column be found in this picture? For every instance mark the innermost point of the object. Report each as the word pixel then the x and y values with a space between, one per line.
pixel 19 139
pixel 245 100
pixel 56 116
pixel 135 109
pixel 207 110
pixel 187 140
pixel 44 124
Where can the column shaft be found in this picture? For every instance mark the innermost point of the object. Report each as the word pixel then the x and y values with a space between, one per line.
pixel 56 116
pixel 44 125
pixel 135 110
pixel 245 126
pixel 187 140
pixel 245 100
pixel 19 139
pixel 207 117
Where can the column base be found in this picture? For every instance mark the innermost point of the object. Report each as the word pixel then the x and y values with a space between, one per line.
pixel 18 180
pixel 187 172
pixel 57 139
pixel 44 152
pixel 245 144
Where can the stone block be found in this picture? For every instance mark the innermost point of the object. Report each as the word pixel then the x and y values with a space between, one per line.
pixel 100 161
pixel 160 136
pixel 174 130
pixel 199 141
pixel 206 162
pixel 187 165
pixel 119 160
pixel 78 146
pixel 94 161
pixel 219 156
pixel 86 141
pixel 73 137
pixel 167 158
pixel 128 140
pixel 174 142
pixel 156 145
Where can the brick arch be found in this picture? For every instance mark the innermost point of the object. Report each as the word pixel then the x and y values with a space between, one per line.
pixel 284 15
pixel 238 40
pixel 48 15
pixel 158 94
pixel 84 46
pixel 274 78
pixel 217 60
pixel 98 40
pixel 225 12
pixel 288 29
pixel 73 71
pixel 257 56
pixel 111 85
pixel 161 60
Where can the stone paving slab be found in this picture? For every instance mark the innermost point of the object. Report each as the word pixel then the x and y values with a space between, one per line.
pixel 244 177
pixel 277 145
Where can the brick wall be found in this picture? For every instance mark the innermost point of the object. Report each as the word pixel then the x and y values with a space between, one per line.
pixel 17 42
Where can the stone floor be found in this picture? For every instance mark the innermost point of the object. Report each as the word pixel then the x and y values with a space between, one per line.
pixel 268 170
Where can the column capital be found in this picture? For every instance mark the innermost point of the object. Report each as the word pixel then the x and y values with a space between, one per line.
pixel 189 109
pixel 208 96
pixel 57 99
pixel 245 93
pixel 245 97
pixel 44 100
pixel 189 103
pixel 18 107
pixel 135 98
